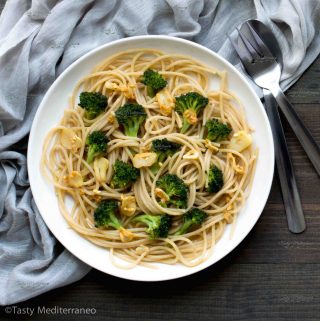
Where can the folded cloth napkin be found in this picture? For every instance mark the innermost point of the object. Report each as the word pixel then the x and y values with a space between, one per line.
pixel 40 38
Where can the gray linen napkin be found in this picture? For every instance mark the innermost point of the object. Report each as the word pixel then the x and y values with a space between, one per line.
pixel 40 38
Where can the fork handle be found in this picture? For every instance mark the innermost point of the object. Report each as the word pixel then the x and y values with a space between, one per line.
pixel 307 141
pixel 290 193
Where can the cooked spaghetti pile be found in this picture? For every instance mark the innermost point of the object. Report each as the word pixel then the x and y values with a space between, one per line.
pixel 148 161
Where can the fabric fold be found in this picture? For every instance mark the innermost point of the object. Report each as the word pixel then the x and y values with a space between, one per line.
pixel 41 38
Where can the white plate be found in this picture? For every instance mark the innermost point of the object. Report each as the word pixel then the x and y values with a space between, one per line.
pixel 51 110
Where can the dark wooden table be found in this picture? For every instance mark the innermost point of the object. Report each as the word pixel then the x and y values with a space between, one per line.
pixel 272 275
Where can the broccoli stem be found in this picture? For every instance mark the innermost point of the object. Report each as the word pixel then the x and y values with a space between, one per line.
pixel 146 219
pixel 150 92
pixel 91 155
pixel 132 130
pixel 114 222
pixel 185 127
pixel 154 168
pixel 184 228
pixel 89 115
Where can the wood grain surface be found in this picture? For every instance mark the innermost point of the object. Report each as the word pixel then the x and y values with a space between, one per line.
pixel 272 275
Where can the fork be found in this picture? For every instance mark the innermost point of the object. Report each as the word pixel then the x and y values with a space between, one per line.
pixel 264 69
pixel 290 193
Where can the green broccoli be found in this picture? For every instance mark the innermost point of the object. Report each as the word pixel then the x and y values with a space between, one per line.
pixel 154 82
pixel 93 103
pixel 215 181
pixel 105 214
pixel 131 116
pixel 175 188
pixel 158 225
pixel 124 175
pixel 97 143
pixel 189 106
pixel 193 217
pixel 163 148
pixel 217 131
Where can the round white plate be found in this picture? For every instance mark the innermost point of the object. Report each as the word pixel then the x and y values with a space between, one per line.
pixel 51 110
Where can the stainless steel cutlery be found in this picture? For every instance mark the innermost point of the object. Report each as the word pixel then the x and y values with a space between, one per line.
pixel 260 55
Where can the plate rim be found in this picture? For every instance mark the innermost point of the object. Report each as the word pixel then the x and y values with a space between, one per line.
pixel 56 82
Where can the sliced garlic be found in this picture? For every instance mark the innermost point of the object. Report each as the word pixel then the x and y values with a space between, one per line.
pixel 191 154
pixel 228 199
pixel 125 235
pixel 239 169
pixel 74 179
pixel 165 102
pixel 240 141
pixel 210 146
pixel 164 197
pixel 70 140
pixel 190 116
pixel 230 207
pixel 97 195
pixel 128 205
pixel 228 217
pixel 129 94
pixel 144 149
pixel 112 118
pixel 126 90
pixel 100 167
pixel 144 159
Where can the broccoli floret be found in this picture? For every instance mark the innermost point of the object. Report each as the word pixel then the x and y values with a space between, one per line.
pixel 158 225
pixel 217 131
pixel 215 181
pixel 97 143
pixel 124 175
pixel 163 148
pixel 105 214
pixel 154 82
pixel 189 106
pixel 175 188
pixel 193 217
pixel 93 103
pixel 131 116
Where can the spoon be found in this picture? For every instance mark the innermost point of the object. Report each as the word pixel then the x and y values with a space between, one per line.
pixel 290 193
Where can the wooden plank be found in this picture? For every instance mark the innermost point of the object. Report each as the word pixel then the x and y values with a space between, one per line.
pixel 226 291
pixel 306 89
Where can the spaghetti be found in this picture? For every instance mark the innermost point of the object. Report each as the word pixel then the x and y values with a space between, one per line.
pixel 65 165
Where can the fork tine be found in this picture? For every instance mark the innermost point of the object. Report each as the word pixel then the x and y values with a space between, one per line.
pixel 241 53
pixel 255 54
pixel 260 45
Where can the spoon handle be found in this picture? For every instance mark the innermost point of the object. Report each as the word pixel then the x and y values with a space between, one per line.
pixel 307 141
pixel 290 193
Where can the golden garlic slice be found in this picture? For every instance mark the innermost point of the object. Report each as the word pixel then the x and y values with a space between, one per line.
pixel 69 139
pixel 100 167
pixel 190 116
pixel 128 205
pixel 210 146
pixel 240 141
pixel 164 197
pixel 165 102
pixel 144 159
pixel 74 179
pixel 191 154
pixel 125 235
